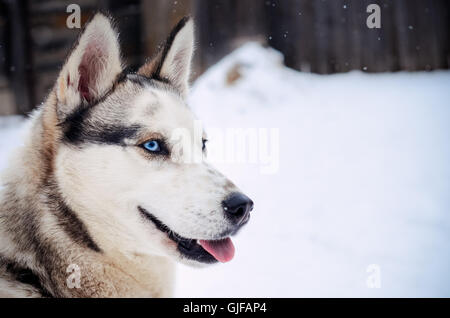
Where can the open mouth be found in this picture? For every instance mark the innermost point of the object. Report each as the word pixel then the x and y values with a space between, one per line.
pixel 204 251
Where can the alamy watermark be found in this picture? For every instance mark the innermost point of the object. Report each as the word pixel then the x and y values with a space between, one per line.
pixel 254 146
pixel 374 278
pixel 73 21
pixel 74 278
pixel 374 19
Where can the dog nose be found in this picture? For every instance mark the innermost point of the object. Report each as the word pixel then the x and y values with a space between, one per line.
pixel 237 207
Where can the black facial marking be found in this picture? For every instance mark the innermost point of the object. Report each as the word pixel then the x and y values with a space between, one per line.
pixel 139 79
pixel 157 77
pixel 167 46
pixel 154 81
pixel 23 275
pixel 124 74
pixel 68 220
pixel 80 127
pixel 25 227
pixel 102 134
pixel 187 247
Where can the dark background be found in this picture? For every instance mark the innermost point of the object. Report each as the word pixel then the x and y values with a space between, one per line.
pixel 320 36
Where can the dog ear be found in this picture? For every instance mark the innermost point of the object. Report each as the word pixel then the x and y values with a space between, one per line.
pixel 173 61
pixel 91 68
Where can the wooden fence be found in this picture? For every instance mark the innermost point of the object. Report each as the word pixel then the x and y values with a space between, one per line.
pixel 321 36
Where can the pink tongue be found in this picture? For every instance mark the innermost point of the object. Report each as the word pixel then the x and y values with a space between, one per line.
pixel 222 250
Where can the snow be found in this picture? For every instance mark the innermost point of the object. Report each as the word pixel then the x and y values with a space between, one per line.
pixel 11 131
pixel 363 179
pixel 355 181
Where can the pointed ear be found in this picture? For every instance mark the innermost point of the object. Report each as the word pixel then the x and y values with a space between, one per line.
pixel 173 62
pixel 91 68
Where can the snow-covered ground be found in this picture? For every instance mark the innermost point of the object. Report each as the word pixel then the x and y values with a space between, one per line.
pixel 358 192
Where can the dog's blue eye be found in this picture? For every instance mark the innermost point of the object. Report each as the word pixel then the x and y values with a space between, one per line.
pixel 152 146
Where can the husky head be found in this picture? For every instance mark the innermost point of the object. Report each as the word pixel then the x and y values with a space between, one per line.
pixel 120 162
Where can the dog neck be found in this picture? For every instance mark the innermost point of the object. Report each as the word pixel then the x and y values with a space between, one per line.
pixel 45 250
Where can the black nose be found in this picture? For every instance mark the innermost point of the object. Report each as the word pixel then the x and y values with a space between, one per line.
pixel 237 207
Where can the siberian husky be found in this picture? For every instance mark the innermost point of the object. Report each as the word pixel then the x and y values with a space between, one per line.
pixel 97 202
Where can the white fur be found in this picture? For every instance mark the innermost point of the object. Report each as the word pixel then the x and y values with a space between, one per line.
pixel 185 197
pixel 98 48
pixel 106 183
pixel 177 64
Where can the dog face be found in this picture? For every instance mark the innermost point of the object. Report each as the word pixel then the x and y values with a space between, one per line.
pixel 124 162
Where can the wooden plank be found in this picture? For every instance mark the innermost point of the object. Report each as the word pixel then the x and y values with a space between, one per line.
pixel 439 18
pixel 249 18
pixel 215 30
pixel 285 33
pixel 303 37
pixel 403 22
pixel 157 19
pixel 21 74
pixel 339 36
pixel 356 24
pixel 322 31
pixel 387 50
